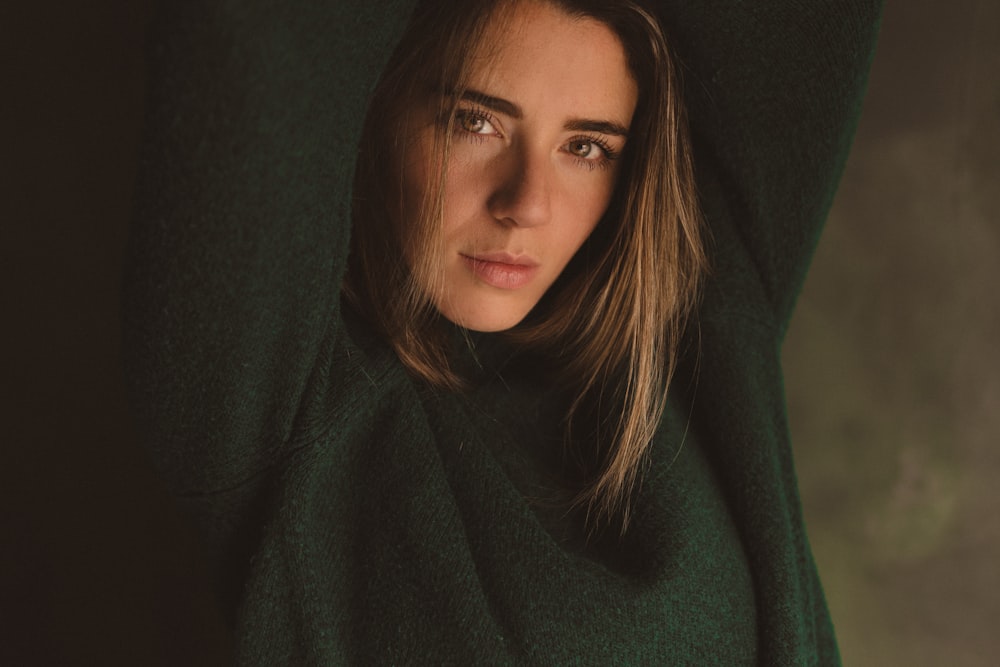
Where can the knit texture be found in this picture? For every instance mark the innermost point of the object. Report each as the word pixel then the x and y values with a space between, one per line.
pixel 354 516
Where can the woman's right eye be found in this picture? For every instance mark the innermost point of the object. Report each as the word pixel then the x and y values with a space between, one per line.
pixel 474 122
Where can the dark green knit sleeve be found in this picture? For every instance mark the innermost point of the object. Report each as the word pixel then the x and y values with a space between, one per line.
pixel 774 91
pixel 242 220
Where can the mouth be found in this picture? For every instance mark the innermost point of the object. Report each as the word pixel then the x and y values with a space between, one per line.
pixel 502 270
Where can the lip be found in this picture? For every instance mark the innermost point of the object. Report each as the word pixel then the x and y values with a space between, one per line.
pixel 501 269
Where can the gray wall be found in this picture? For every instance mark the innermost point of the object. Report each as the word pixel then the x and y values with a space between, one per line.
pixel 891 360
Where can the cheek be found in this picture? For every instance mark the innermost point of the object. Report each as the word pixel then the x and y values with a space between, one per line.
pixel 457 205
pixel 466 195
pixel 591 205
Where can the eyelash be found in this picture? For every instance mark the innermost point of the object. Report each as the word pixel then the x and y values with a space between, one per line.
pixel 610 154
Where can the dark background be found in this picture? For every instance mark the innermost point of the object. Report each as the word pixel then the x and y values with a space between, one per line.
pixel 892 360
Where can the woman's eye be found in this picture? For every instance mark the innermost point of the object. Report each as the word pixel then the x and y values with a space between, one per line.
pixel 474 123
pixel 586 150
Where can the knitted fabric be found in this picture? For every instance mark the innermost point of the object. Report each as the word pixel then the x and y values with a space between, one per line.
pixel 355 516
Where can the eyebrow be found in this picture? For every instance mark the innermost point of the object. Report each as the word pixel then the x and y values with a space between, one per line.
pixel 497 104
pixel 602 126
pixel 508 108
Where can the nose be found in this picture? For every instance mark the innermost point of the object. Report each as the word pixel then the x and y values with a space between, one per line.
pixel 522 195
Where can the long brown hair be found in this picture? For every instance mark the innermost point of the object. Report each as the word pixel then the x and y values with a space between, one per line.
pixel 613 322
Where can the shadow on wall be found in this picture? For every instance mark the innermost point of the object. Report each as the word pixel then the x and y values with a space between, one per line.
pixel 96 567
pixel 892 358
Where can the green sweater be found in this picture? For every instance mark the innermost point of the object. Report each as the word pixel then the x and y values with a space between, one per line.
pixel 354 516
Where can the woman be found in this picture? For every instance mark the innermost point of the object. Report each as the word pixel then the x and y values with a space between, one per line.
pixel 470 458
pixel 528 108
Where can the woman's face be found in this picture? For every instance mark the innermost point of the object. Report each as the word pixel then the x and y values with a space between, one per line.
pixel 532 166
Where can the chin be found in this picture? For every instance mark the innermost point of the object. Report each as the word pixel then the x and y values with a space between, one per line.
pixel 483 316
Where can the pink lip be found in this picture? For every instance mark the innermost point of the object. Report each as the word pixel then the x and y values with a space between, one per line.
pixel 502 270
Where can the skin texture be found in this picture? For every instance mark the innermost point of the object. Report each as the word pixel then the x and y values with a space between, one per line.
pixel 531 171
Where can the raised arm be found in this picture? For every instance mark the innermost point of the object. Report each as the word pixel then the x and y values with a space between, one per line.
pixel 242 221
pixel 774 90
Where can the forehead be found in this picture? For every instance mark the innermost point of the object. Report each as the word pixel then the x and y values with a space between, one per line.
pixel 540 57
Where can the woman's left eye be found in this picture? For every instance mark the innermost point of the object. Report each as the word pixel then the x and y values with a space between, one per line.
pixel 586 149
pixel 591 152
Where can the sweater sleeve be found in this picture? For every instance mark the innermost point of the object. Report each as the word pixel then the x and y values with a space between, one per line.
pixel 242 221
pixel 774 92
